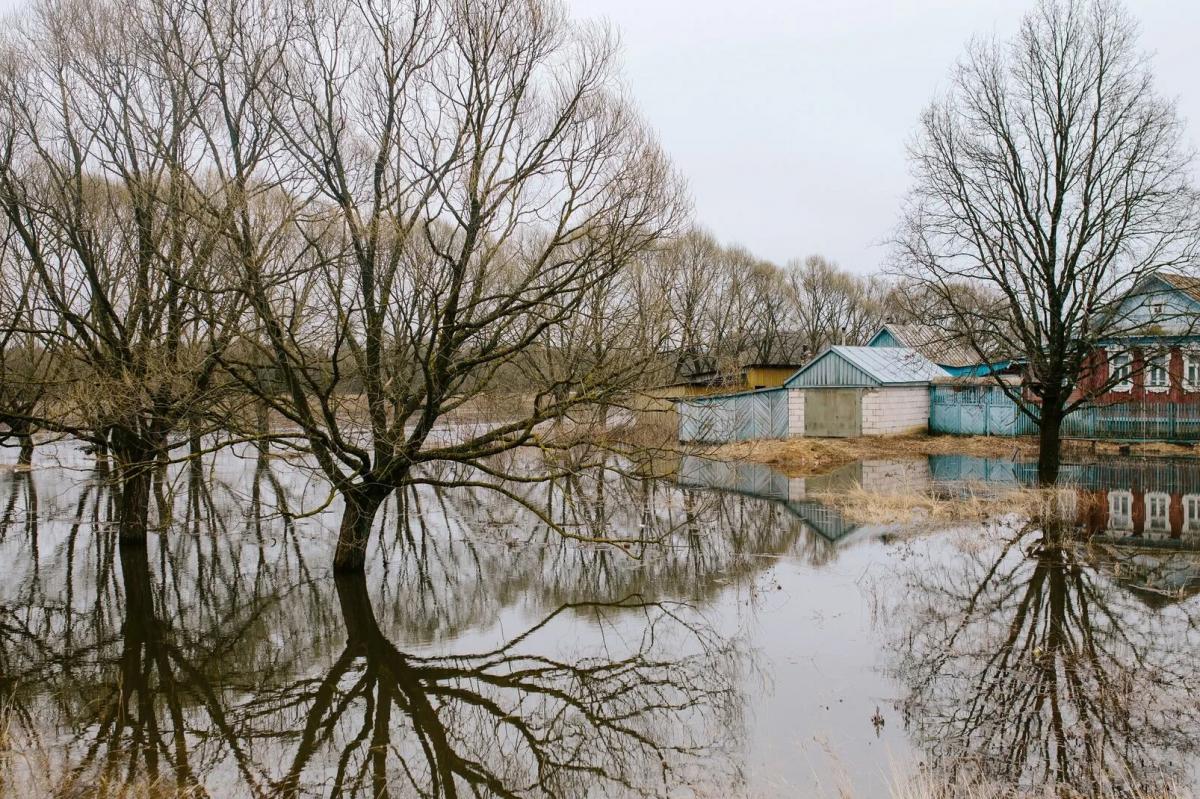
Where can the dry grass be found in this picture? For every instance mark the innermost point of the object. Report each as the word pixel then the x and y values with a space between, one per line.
pixel 654 431
pixel 800 457
pixel 976 502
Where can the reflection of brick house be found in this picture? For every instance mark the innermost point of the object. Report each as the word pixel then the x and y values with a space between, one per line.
pixel 1154 515
pixel 1159 359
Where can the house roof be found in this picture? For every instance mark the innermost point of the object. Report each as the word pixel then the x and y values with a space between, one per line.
pixel 879 366
pixel 934 344
pixel 1186 283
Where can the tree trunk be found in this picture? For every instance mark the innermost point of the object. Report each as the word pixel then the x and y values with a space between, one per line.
pixel 263 426
pixel 101 451
pixel 26 456
pixel 358 516
pixel 135 481
pixel 139 594
pixel 1050 441
pixel 135 467
pixel 195 442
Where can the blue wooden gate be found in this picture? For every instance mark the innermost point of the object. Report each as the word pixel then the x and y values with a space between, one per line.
pixel 744 416
pixel 988 411
pixel 976 411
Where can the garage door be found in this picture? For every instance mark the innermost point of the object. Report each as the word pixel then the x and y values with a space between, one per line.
pixel 833 412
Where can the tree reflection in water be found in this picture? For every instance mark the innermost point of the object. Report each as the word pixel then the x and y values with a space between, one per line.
pixel 211 662
pixel 505 722
pixel 1025 665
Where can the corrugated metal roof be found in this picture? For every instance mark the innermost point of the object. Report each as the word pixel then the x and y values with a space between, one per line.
pixel 1186 283
pixel 884 366
pixel 936 345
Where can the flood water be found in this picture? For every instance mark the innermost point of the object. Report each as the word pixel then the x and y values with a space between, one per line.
pixel 746 641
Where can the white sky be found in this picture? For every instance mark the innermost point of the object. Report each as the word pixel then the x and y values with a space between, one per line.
pixel 789 118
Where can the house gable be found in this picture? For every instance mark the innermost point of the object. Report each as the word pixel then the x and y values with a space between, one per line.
pixel 1162 303
pixel 830 368
pixel 885 338
pixel 934 344
pixel 866 367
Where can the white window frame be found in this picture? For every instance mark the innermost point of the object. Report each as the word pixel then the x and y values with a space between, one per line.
pixel 1118 361
pixel 1120 518
pixel 1191 370
pixel 1158 522
pixel 1159 364
pixel 1191 513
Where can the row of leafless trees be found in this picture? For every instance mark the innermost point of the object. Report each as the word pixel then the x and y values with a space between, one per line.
pixel 347 226
pixel 721 307
pixel 355 216
pixel 724 307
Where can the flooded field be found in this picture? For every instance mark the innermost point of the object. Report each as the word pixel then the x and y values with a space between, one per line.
pixel 746 640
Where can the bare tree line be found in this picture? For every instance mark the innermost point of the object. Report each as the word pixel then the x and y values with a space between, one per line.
pixel 721 307
pixel 364 219
pixel 359 216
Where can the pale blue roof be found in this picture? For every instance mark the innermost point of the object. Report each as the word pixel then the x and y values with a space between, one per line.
pixel 867 366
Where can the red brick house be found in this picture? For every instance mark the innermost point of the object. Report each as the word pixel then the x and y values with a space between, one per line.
pixel 1159 360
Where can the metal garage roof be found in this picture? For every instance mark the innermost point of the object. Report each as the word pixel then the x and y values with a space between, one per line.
pixel 866 366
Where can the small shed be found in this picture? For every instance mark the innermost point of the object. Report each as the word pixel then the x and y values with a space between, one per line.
pixel 868 391
pixel 745 416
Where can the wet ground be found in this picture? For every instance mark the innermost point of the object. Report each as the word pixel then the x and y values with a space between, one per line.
pixel 744 640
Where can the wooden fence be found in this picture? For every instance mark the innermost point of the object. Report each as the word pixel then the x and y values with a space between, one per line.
pixel 988 411
pixel 734 417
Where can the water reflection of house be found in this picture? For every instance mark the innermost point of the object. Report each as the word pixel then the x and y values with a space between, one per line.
pixel 800 495
pixel 761 482
pixel 1152 501
pixel 1149 499
pixel 1143 525
pixel 1157 576
pixel 1141 517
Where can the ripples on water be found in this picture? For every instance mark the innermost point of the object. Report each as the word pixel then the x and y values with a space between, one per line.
pixel 754 643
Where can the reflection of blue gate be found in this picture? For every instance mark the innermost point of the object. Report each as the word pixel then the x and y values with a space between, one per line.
pixel 734 417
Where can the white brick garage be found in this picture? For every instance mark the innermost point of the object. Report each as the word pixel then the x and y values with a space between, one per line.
pixel 795 413
pixel 895 411
pixel 870 391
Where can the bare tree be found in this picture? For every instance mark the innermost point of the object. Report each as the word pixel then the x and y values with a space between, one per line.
pixel 29 362
pixel 1051 180
pixel 471 182
pixel 101 185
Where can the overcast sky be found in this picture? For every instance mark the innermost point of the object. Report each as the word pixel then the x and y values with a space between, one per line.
pixel 789 118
